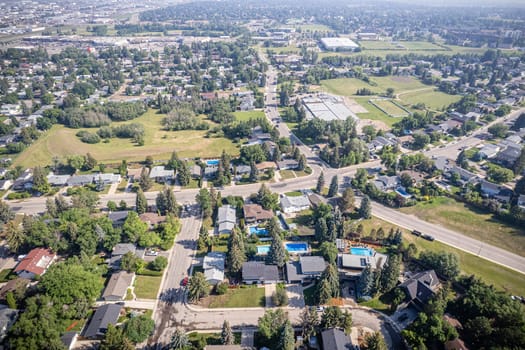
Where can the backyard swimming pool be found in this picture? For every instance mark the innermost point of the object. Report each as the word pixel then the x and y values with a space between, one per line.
pixel 294 248
pixel 362 251
pixel 259 231
pixel 212 162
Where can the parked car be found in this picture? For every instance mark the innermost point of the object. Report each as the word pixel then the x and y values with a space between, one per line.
pixel 184 281
pixel 416 233
pixel 428 237
pixel 151 252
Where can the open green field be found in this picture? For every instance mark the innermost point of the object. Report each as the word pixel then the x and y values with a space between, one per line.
pixel 431 98
pixel 501 277
pixel 418 46
pixel 284 49
pixel 62 142
pixel 313 28
pixel 349 86
pixel 240 297
pixel 471 222
pixel 247 115
pixel 377 45
pixel 374 113
pixel 147 287
pixel 390 108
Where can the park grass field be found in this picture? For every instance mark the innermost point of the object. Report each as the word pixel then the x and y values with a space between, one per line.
pixel 390 108
pixel 313 28
pixel 62 142
pixel 471 222
pixel 247 115
pixel 493 274
pixel 431 98
pixel 349 86
pixel 374 113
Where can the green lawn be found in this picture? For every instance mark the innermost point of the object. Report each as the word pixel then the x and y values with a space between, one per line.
pixel 349 86
pixel 294 194
pixel 4 274
pixel 374 113
pixel 501 277
pixel 377 45
pixel 286 174
pixel 377 304
pixel 147 287
pixel 211 338
pixel 432 99
pixel 247 115
pixel 62 142
pixel 471 222
pixel 240 297
pixel 390 108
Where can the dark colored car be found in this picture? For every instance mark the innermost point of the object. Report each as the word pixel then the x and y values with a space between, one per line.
pixel 184 281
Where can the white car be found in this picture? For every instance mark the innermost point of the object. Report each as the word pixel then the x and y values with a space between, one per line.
pixel 152 252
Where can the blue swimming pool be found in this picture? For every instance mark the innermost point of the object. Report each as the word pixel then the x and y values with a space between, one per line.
pixel 263 249
pixel 296 247
pixel 259 231
pixel 362 251
pixel 212 162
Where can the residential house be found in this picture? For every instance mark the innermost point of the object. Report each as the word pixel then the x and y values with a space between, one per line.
pixel 294 204
pixel 7 318
pixel 254 213
pixel 336 339
pixel 379 142
pixel 263 166
pixel 258 272
pixel 80 180
pixel 118 251
pixel 509 155
pixel 152 219
pixel 488 151
pixel 351 265
pixel 196 171
pixel 317 200
pixel 134 174
pixel 35 263
pixel 442 163
pixel 489 189
pixel 107 179
pixel 12 286
pixel 288 164
pixel 5 184
pixel 69 339
pixel 213 265
pixel 105 315
pixel 57 180
pixel 420 287
pixel 161 175
pixel 386 183
pixel 118 217
pixel 305 269
pixel 226 219
pixel 24 181
pixel 118 285
pixel 464 175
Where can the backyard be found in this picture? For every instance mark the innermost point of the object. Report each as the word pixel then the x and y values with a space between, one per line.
pixel 62 142
pixel 474 223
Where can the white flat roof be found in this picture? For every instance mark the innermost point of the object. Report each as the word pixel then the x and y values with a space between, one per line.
pixel 338 42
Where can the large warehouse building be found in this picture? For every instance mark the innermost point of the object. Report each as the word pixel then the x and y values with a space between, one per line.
pixel 327 107
pixel 339 44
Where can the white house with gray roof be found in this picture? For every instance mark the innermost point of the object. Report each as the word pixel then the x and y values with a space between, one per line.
pixel 226 219
pixel 294 204
pixel 213 265
pixel 161 175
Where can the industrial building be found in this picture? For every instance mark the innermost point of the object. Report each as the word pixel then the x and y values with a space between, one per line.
pixel 339 44
pixel 327 107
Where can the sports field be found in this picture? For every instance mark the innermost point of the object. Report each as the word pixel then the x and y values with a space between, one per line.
pixel 390 108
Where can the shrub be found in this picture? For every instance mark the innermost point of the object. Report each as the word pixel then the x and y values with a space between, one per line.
pixel 90 138
pixel 221 288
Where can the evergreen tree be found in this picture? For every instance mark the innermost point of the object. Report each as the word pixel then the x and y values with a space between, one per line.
pixel 302 163
pixel 183 174
pixel 365 283
pixel 179 340
pixel 227 337
pixel 390 273
pixel 276 254
pixel 323 291
pixel 40 183
pixel 114 339
pixel 236 252
pixel 286 338
pixel 320 183
pixel 321 230
pixel 141 204
pixel 254 172
pixel 334 186
pixel 145 182
pixel 365 210
pixel 198 287
pixel 375 341
pixel 273 227
pixel 309 322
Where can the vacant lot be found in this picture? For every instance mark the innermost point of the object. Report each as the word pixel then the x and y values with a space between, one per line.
pixel 62 142
pixel 374 113
pixel 247 115
pixel 147 287
pixel 471 222
pixel 247 296
pixel 390 108
pixel 501 277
